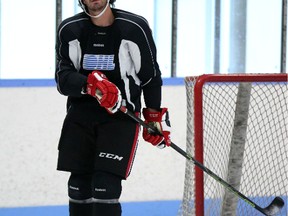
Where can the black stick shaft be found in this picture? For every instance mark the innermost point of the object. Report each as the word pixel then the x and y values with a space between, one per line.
pixel 198 164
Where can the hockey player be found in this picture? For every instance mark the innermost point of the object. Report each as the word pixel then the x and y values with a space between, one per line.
pixel 106 58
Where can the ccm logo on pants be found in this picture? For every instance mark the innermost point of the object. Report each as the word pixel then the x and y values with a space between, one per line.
pixel 110 156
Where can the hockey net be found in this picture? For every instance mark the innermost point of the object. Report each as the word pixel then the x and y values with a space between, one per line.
pixel 236 127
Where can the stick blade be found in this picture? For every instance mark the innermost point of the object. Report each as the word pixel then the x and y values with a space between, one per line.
pixel 275 206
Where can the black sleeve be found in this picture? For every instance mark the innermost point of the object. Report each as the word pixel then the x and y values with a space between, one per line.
pixel 69 80
pixel 149 74
pixel 152 96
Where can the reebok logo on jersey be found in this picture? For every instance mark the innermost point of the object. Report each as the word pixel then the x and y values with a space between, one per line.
pixel 110 156
pixel 100 189
pixel 98 45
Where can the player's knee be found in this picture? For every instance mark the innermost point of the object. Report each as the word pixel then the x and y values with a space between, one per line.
pixel 107 187
pixel 80 188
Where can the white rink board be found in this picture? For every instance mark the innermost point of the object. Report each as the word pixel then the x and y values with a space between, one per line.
pixel 31 121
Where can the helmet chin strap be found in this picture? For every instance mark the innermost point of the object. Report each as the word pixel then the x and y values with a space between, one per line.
pixel 96 16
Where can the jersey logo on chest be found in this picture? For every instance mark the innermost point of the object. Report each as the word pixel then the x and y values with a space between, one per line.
pixel 98 62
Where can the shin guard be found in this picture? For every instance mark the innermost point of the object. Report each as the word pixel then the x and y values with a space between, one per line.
pixel 106 194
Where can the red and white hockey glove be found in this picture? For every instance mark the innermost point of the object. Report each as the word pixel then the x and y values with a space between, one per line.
pixel 160 121
pixel 107 93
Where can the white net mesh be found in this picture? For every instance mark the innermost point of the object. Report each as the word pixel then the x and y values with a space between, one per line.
pixel 246 145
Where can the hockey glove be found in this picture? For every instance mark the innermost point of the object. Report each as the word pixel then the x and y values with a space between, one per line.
pixel 107 93
pixel 160 121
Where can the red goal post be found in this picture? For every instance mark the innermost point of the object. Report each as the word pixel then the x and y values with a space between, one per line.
pixel 224 116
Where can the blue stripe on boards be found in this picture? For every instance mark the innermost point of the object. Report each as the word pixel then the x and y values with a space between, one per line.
pixel 6 83
pixel 173 81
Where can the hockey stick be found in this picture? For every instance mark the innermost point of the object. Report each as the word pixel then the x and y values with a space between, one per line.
pixel 272 209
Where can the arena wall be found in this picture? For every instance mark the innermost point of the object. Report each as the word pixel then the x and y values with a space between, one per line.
pixel 31 120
